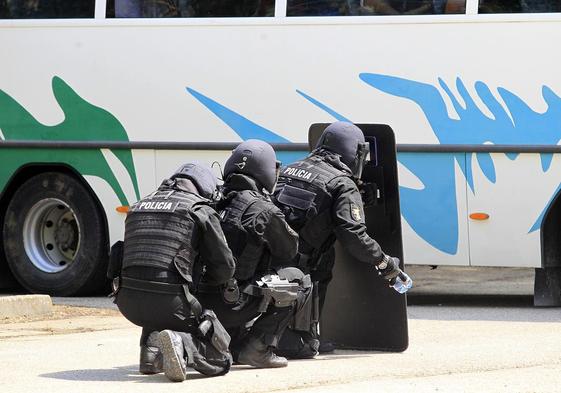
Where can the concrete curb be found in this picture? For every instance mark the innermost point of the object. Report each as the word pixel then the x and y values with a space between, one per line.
pixel 25 305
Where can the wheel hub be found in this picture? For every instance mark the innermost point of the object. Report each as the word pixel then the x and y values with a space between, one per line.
pixel 66 234
pixel 51 235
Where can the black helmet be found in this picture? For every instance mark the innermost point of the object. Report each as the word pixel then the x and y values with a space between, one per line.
pixel 200 175
pixel 347 140
pixel 255 159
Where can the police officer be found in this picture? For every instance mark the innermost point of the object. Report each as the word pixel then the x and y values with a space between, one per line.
pixel 321 201
pixel 258 235
pixel 171 236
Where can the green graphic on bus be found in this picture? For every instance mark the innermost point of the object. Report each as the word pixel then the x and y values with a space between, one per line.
pixel 82 122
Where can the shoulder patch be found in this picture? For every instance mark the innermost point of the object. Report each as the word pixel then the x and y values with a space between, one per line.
pixel 356 212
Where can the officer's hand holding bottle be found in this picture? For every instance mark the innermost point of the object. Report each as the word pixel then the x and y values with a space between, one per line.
pixel 389 269
pixel 402 283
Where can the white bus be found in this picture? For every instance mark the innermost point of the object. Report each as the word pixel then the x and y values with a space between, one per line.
pixel 100 100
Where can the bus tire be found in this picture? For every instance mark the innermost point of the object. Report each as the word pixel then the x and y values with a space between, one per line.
pixel 54 236
pixel 547 287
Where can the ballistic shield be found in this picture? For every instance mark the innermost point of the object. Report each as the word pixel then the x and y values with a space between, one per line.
pixel 361 311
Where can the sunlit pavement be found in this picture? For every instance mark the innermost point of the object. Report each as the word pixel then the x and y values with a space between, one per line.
pixel 489 347
pixel 475 332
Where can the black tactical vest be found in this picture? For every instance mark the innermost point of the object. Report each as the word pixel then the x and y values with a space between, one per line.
pixel 248 251
pixel 303 195
pixel 160 233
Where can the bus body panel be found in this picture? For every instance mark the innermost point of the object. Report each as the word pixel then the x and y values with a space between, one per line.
pixel 453 82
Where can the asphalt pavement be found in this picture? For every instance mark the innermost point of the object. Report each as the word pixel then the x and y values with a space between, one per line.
pixel 469 331
pixel 471 348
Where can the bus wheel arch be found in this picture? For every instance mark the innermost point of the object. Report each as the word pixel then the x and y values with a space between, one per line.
pixel 547 281
pixel 58 243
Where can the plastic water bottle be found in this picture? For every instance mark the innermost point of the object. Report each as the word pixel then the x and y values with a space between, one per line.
pixel 402 283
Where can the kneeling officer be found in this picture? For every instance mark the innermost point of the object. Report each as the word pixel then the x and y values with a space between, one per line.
pixel 257 233
pixel 171 236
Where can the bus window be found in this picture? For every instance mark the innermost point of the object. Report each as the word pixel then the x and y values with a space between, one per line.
pixel 46 9
pixel 373 7
pixel 189 8
pixel 516 6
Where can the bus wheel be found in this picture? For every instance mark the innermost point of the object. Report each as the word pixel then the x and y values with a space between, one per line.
pixel 54 236
pixel 547 287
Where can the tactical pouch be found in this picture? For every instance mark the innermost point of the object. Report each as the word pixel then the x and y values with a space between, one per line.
pixel 303 314
pixel 184 262
pixel 215 332
pixel 298 205
pixel 296 197
pixel 299 341
pixel 306 310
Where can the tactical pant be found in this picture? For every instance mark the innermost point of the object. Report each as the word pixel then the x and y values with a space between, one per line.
pixel 300 344
pixel 155 311
pixel 268 327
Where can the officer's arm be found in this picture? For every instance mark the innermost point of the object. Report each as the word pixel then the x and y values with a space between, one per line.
pixel 271 226
pixel 214 250
pixel 350 227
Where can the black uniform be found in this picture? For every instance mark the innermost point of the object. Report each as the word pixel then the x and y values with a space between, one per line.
pixel 258 236
pixel 321 201
pixel 170 237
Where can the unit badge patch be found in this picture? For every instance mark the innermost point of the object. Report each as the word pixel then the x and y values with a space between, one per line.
pixel 355 212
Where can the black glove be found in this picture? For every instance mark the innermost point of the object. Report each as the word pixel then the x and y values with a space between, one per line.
pixel 368 192
pixel 388 268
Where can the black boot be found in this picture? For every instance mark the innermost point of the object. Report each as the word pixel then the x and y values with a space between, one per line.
pixel 258 354
pixel 296 344
pixel 326 346
pixel 174 364
pixel 151 356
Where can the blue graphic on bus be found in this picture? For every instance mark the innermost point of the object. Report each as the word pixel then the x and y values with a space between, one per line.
pixel 336 115
pixel 432 211
pixel 515 124
pixel 433 171
pixel 245 128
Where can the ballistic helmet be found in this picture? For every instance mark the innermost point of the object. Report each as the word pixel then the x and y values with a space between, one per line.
pixel 346 140
pixel 201 176
pixel 255 159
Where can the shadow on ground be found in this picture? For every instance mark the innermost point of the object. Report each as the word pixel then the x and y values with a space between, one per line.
pixel 124 373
